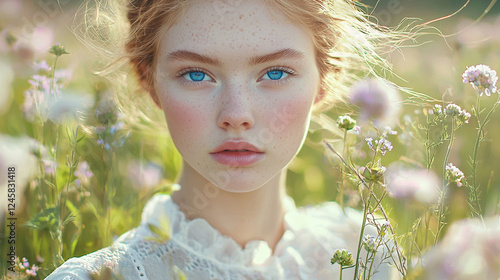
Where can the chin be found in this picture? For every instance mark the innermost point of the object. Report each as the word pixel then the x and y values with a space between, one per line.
pixel 238 181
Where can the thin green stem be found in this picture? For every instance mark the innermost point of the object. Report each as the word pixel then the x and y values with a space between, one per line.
pixel 366 264
pixel 427 144
pixel 479 138
pixel 363 225
pixel 373 257
pixel 53 74
pixel 476 149
pixel 445 185
pixel 426 221
pixel 401 268
pixel 342 186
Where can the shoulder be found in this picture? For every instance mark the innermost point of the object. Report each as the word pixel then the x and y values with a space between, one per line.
pixel 94 263
pixel 330 221
pixel 123 258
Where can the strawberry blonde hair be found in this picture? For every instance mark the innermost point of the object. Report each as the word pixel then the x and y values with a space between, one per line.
pixel 347 43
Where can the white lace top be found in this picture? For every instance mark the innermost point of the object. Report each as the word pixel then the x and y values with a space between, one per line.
pixel 312 234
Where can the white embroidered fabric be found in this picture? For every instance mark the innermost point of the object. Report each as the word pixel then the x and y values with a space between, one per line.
pixel 312 234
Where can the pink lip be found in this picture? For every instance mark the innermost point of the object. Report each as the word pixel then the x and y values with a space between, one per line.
pixel 237 153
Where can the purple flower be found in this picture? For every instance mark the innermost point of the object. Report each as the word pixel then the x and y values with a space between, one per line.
pixel 50 166
pixel 383 145
pixel 412 183
pixel 482 79
pixel 378 101
pixel 83 173
pixel 115 127
pixel 42 95
pixel 369 141
pixel 144 175
pixel 42 66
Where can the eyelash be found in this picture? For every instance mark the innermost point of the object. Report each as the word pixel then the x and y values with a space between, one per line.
pixel 285 69
pixel 187 71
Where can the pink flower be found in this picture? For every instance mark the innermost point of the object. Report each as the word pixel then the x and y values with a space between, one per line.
pixel 378 101
pixel 144 175
pixel 469 250
pixel 412 183
pixel 83 173
pixel 6 79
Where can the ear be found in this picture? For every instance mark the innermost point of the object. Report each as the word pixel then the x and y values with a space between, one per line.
pixel 320 95
pixel 146 76
pixel 154 96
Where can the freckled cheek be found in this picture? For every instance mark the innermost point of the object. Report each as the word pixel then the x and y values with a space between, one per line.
pixel 185 120
pixel 289 121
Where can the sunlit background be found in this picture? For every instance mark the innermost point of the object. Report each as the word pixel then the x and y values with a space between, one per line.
pixel 104 179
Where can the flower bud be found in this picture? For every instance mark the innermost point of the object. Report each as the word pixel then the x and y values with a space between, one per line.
pixel 369 243
pixel 464 116
pixel 58 50
pixel 346 122
pixel 453 110
pixel 342 257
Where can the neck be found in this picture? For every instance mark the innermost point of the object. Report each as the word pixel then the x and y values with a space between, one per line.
pixel 254 215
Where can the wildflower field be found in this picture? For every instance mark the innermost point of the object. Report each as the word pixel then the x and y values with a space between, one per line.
pixel 418 159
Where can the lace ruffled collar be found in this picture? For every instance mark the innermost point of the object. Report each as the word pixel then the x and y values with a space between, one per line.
pixel 200 237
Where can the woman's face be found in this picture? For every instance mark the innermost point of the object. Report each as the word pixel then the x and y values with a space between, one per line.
pixel 237 85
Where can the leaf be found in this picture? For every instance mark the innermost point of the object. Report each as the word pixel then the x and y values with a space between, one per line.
pixel 74 242
pixel 93 209
pixel 72 208
pixel 69 134
pixel 69 217
pixel 49 183
pixel 80 139
pixel 179 275
pixel 163 231
pixel 47 219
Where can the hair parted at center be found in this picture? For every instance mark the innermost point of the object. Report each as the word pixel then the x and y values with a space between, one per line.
pixel 347 44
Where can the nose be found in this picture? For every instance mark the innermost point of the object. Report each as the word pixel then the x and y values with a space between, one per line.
pixel 236 109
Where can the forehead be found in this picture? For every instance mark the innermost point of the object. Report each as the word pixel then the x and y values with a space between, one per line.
pixel 234 29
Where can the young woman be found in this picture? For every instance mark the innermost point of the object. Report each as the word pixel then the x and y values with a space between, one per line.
pixel 238 81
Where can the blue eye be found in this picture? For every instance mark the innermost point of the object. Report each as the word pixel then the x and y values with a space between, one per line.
pixel 276 74
pixel 196 76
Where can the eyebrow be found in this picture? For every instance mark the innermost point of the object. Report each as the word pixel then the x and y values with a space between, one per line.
pixel 192 56
pixel 281 54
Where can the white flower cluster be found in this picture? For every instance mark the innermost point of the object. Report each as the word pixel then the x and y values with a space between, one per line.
pixel 454 174
pixel 452 110
pixel 482 78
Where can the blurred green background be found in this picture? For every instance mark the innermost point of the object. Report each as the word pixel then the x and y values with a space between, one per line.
pixel 432 65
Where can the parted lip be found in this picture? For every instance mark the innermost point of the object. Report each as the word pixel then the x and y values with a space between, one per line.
pixel 236 146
